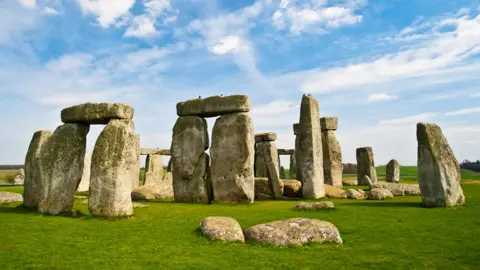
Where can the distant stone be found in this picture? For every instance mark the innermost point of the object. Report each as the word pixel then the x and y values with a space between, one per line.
pixel 379 194
pixel 214 106
pixel 142 194
pixel 335 192
pixel 265 137
pixel 282 173
pixel 153 170
pixel 292 188
pixel 10 197
pixel 365 165
pixel 355 194
pixel 438 169
pixel 295 231
pixel 96 113
pixel 332 153
pixel 329 123
pixel 315 206
pixel 399 189
pixel 286 151
pixel 19 178
pixel 224 229
pixel 85 182
pixel 393 171
pixel 350 182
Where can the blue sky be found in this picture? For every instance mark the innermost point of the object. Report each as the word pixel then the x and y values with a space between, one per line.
pixel 381 66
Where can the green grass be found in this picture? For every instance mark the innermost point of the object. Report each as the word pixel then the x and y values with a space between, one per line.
pixel 377 234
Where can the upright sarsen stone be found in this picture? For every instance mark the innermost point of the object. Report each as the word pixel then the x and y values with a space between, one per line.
pixel 61 167
pixel 365 165
pixel 33 184
pixel 114 161
pixel 153 170
pixel 296 131
pixel 310 159
pixel 332 153
pixel 393 171
pixel 85 182
pixel 438 169
pixel 233 153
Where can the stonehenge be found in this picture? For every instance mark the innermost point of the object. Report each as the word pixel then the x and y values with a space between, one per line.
pixel 266 161
pixel 332 153
pixel 293 161
pixel 365 165
pixel 155 178
pixel 85 182
pixel 393 171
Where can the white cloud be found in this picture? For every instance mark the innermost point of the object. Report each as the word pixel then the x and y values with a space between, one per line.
pixel 230 44
pixel 464 111
pixel 50 11
pixel 106 10
pixel 28 3
pixel 408 120
pixel 141 26
pixel 381 97
pixel 475 95
pixel 145 24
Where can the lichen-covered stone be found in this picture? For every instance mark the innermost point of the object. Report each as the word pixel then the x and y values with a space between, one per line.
pixel 114 163
pixel 152 193
pixel 214 106
pixel 224 229
pixel 233 154
pixel 393 171
pixel 314 206
pixel 328 123
pixel 96 113
pixel 85 182
pixel 266 165
pixel 438 169
pixel 10 197
pixel 367 181
pixel 33 183
pixel 292 188
pixel 265 137
pixel 153 170
pixel 332 159
pixel 310 161
pixel 19 178
pixel 365 165
pixel 61 167
pixel 262 185
pixel 379 194
pixel 399 189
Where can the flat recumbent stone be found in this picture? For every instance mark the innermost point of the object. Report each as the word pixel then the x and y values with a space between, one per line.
pixel 96 113
pixel 214 106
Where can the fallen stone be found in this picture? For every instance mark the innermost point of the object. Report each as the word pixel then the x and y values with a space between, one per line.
pixel 335 192
pixel 393 171
pixel 399 189
pixel 355 194
pixel 265 137
pixel 214 106
pixel 10 197
pixel 136 173
pixel 295 231
pixel 292 188
pixel 96 113
pixel 379 194
pixel 365 165
pixel 361 191
pixel 315 206
pixel 263 197
pixel 350 182
pixel 85 181
pixel 19 178
pixel 224 229
pixel 141 194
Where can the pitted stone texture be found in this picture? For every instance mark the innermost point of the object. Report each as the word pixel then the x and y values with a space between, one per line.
pixel 332 159
pixel 265 137
pixel 189 160
pixel 114 163
pixel 399 189
pixel 296 129
pixel 33 184
pixel 85 182
pixel 153 170
pixel 393 171
pixel 96 113
pixel 365 165
pixel 379 194
pixel 10 197
pixel 266 165
pixel 292 188
pixel 233 154
pixel 224 229
pixel 286 151
pixel 262 185
pixel 355 194
pixel 152 193
pixel 295 231
pixel 438 169
pixel 315 206
pixel 61 167
pixel 328 123
pixel 19 178
pixel 335 192
pixel 310 161
pixel 214 106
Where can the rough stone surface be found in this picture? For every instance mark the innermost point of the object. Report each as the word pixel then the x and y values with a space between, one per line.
pixel 438 169
pixel 350 182
pixel 144 193
pixel 85 182
pixel 222 229
pixel 153 170
pixel 189 160
pixel 292 188
pixel 379 194
pixel 365 165
pixel 266 165
pixel 393 171
pixel 399 189
pixel 335 192
pixel 10 197
pixel 263 197
pixel 96 113
pixel 286 152
pixel 315 206
pixel 367 181
pixel 310 161
pixel 233 153
pixel 332 159
pixel 328 123
pixel 295 231
pixel 355 194
pixel 298 172
pixel 136 172
pixel 19 178
pixel 33 183
pixel 293 166
pixel 150 151
pixel 262 185
pixel 214 106
pixel 114 163
pixel 266 137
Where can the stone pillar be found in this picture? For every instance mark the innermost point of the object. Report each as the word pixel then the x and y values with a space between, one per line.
pixel 332 153
pixel 33 183
pixel 365 165
pixel 61 167
pixel 293 166
pixel 310 158
pixel 85 182
pixel 296 131
pixel 136 172
pixel 393 171
pixel 233 154
pixel 153 170
pixel 189 160
pixel 266 161
pixel 114 164
pixel 438 169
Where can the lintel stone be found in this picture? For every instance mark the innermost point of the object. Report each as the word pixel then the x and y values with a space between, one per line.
pixel 329 123
pixel 266 137
pixel 96 113
pixel 214 106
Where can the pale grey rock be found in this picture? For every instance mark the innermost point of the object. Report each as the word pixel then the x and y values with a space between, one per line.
pixel 355 194
pixel 214 106
pixel 10 197
pixel 367 181
pixel 365 165
pixel 399 189
pixel 263 185
pixel 350 182
pixel 225 229
pixel 335 192
pixel 265 137
pixel 153 170
pixel 379 194
pixel 266 165
pixel 136 173
pixel 393 171
pixel 139 205
pixel 328 123
pixel 150 151
pixel 96 113
pixel 314 206
pixel 19 178
pixel 85 181
pixel 332 153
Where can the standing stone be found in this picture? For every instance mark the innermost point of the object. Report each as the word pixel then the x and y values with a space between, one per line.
pixel 153 170
pixel 85 182
pixel 393 171
pixel 189 161
pixel 332 153
pixel 233 154
pixel 265 152
pixel 293 166
pixel 296 128
pixel 438 169
pixel 310 161
pixel 365 165
pixel 61 167
pixel 136 172
pixel 114 163
pixel 32 185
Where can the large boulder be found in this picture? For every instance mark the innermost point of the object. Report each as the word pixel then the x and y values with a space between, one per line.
pixel 315 206
pixel 335 192
pixel 233 153
pixel 379 194
pixel 399 189
pixel 191 182
pixel 393 171
pixel 332 153
pixel 10 197
pixel 355 194
pixel 438 169
pixel 214 106
pixel 96 113
pixel 85 182
pixel 262 185
pixel 114 163
pixel 19 178
pixel 61 167
pixel 295 231
pixel 224 229
pixel 33 184
pixel 310 158
pixel 365 165
pixel 292 188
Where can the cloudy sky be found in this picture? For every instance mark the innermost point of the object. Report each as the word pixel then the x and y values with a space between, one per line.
pixel 381 66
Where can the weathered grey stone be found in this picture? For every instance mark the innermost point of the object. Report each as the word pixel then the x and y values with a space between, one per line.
pixel 153 170
pixel 393 171
pixel 263 197
pixel 399 189
pixel 136 172
pixel 265 137
pixel 298 172
pixel 293 166
pixel 350 182
pixel 214 106
pixel 296 129
pixel 295 231
pixel 355 194
pixel 61 167
pixel 224 229
pixel 286 152
pixel 438 169
pixel 379 194
pixel 96 113
pixel 332 158
pixel 266 165
pixel 367 181
pixel 33 183
pixel 114 164
pixel 10 197
pixel 263 185
pixel 335 192
pixel 282 173
pixel 314 206
pixel 292 188
pixel 365 165
pixel 85 182
pixel 19 178
pixel 329 123
pixel 189 160
pixel 233 153
pixel 150 151
pixel 310 161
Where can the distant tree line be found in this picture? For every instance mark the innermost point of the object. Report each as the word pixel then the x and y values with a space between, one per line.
pixel 470 165
pixel 11 167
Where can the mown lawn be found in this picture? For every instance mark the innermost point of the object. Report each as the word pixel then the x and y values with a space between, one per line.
pixel 398 233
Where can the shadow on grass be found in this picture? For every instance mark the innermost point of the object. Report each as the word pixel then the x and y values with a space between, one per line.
pixel 386 204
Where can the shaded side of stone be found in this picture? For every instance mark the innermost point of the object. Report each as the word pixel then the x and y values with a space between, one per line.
pixel 365 165
pixel 85 182
pixel 332 159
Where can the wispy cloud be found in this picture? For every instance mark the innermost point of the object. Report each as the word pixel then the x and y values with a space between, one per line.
pixel 408 120
pixel 381 97
pixel 465 111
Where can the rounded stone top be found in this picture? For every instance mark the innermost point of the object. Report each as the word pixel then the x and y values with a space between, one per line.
pixel 96 113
